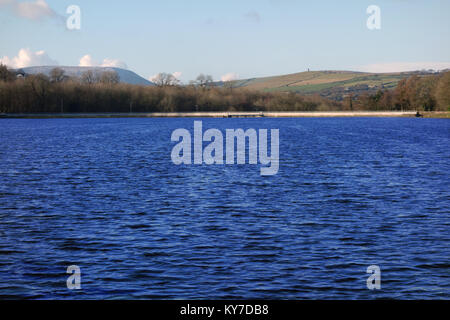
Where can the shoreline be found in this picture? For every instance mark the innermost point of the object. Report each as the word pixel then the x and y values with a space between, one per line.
pixel 330 114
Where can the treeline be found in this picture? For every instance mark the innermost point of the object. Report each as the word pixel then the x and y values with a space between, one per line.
pixel 428 93
pixel 103 93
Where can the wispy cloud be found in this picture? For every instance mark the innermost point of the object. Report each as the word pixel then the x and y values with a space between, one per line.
pixel 229 77
pixel 114 63
pixel 177 74
pixel 31 10
pixel 27 58
pixel 403 66
pixel 87 61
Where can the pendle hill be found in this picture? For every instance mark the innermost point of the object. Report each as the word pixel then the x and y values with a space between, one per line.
pixel 125 76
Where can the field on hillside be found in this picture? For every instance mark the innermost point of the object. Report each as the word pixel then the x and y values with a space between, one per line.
pixel 335 85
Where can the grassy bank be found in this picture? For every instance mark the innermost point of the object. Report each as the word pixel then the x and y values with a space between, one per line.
pixel 440 115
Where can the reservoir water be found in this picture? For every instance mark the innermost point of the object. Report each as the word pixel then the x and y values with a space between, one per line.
pixel 103 194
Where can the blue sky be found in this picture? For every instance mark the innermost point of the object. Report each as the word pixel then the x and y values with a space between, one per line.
pixel 246 38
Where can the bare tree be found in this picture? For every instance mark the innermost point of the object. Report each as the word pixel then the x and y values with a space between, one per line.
pixel 5 74
pixel 40 87
pixel 229 85
pixel 165 79
pixel 110 77
pixel 204 80
pixel 89 77
pixel 443 92
pixel 57 75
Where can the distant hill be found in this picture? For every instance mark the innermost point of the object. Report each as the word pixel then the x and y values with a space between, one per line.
pixel 125 76
pixel 334 85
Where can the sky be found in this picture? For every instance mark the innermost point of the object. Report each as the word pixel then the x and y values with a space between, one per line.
pixel 227 39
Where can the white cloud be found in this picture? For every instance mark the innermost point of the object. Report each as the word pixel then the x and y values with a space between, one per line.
pixel 32 10
pixel 87 61
pixel 229 77
pixel 177 74
pixel 114 63
pixel 403 66
pixel 27 58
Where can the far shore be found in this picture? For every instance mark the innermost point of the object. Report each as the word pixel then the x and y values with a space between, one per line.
pixel 331 114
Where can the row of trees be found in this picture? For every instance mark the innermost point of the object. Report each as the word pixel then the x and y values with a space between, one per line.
pixel 429 93
pixel 167 79
pixel 103 92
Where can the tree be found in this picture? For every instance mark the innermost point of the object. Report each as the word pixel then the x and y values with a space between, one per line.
pixel 40 86
pixel 350 102
pixel 443 92
pixel 5 74
pixel 57 75
pixel 386 100
pixel 165 79
pixel 424 95
pixel 89 77
pixel 229 85
pixel 204 80
pixel 401 96
pixel 109 77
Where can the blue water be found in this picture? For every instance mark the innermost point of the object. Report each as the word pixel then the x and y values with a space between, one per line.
pixel 103 194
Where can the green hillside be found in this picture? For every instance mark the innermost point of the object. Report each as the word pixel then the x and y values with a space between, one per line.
pixel 335 85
